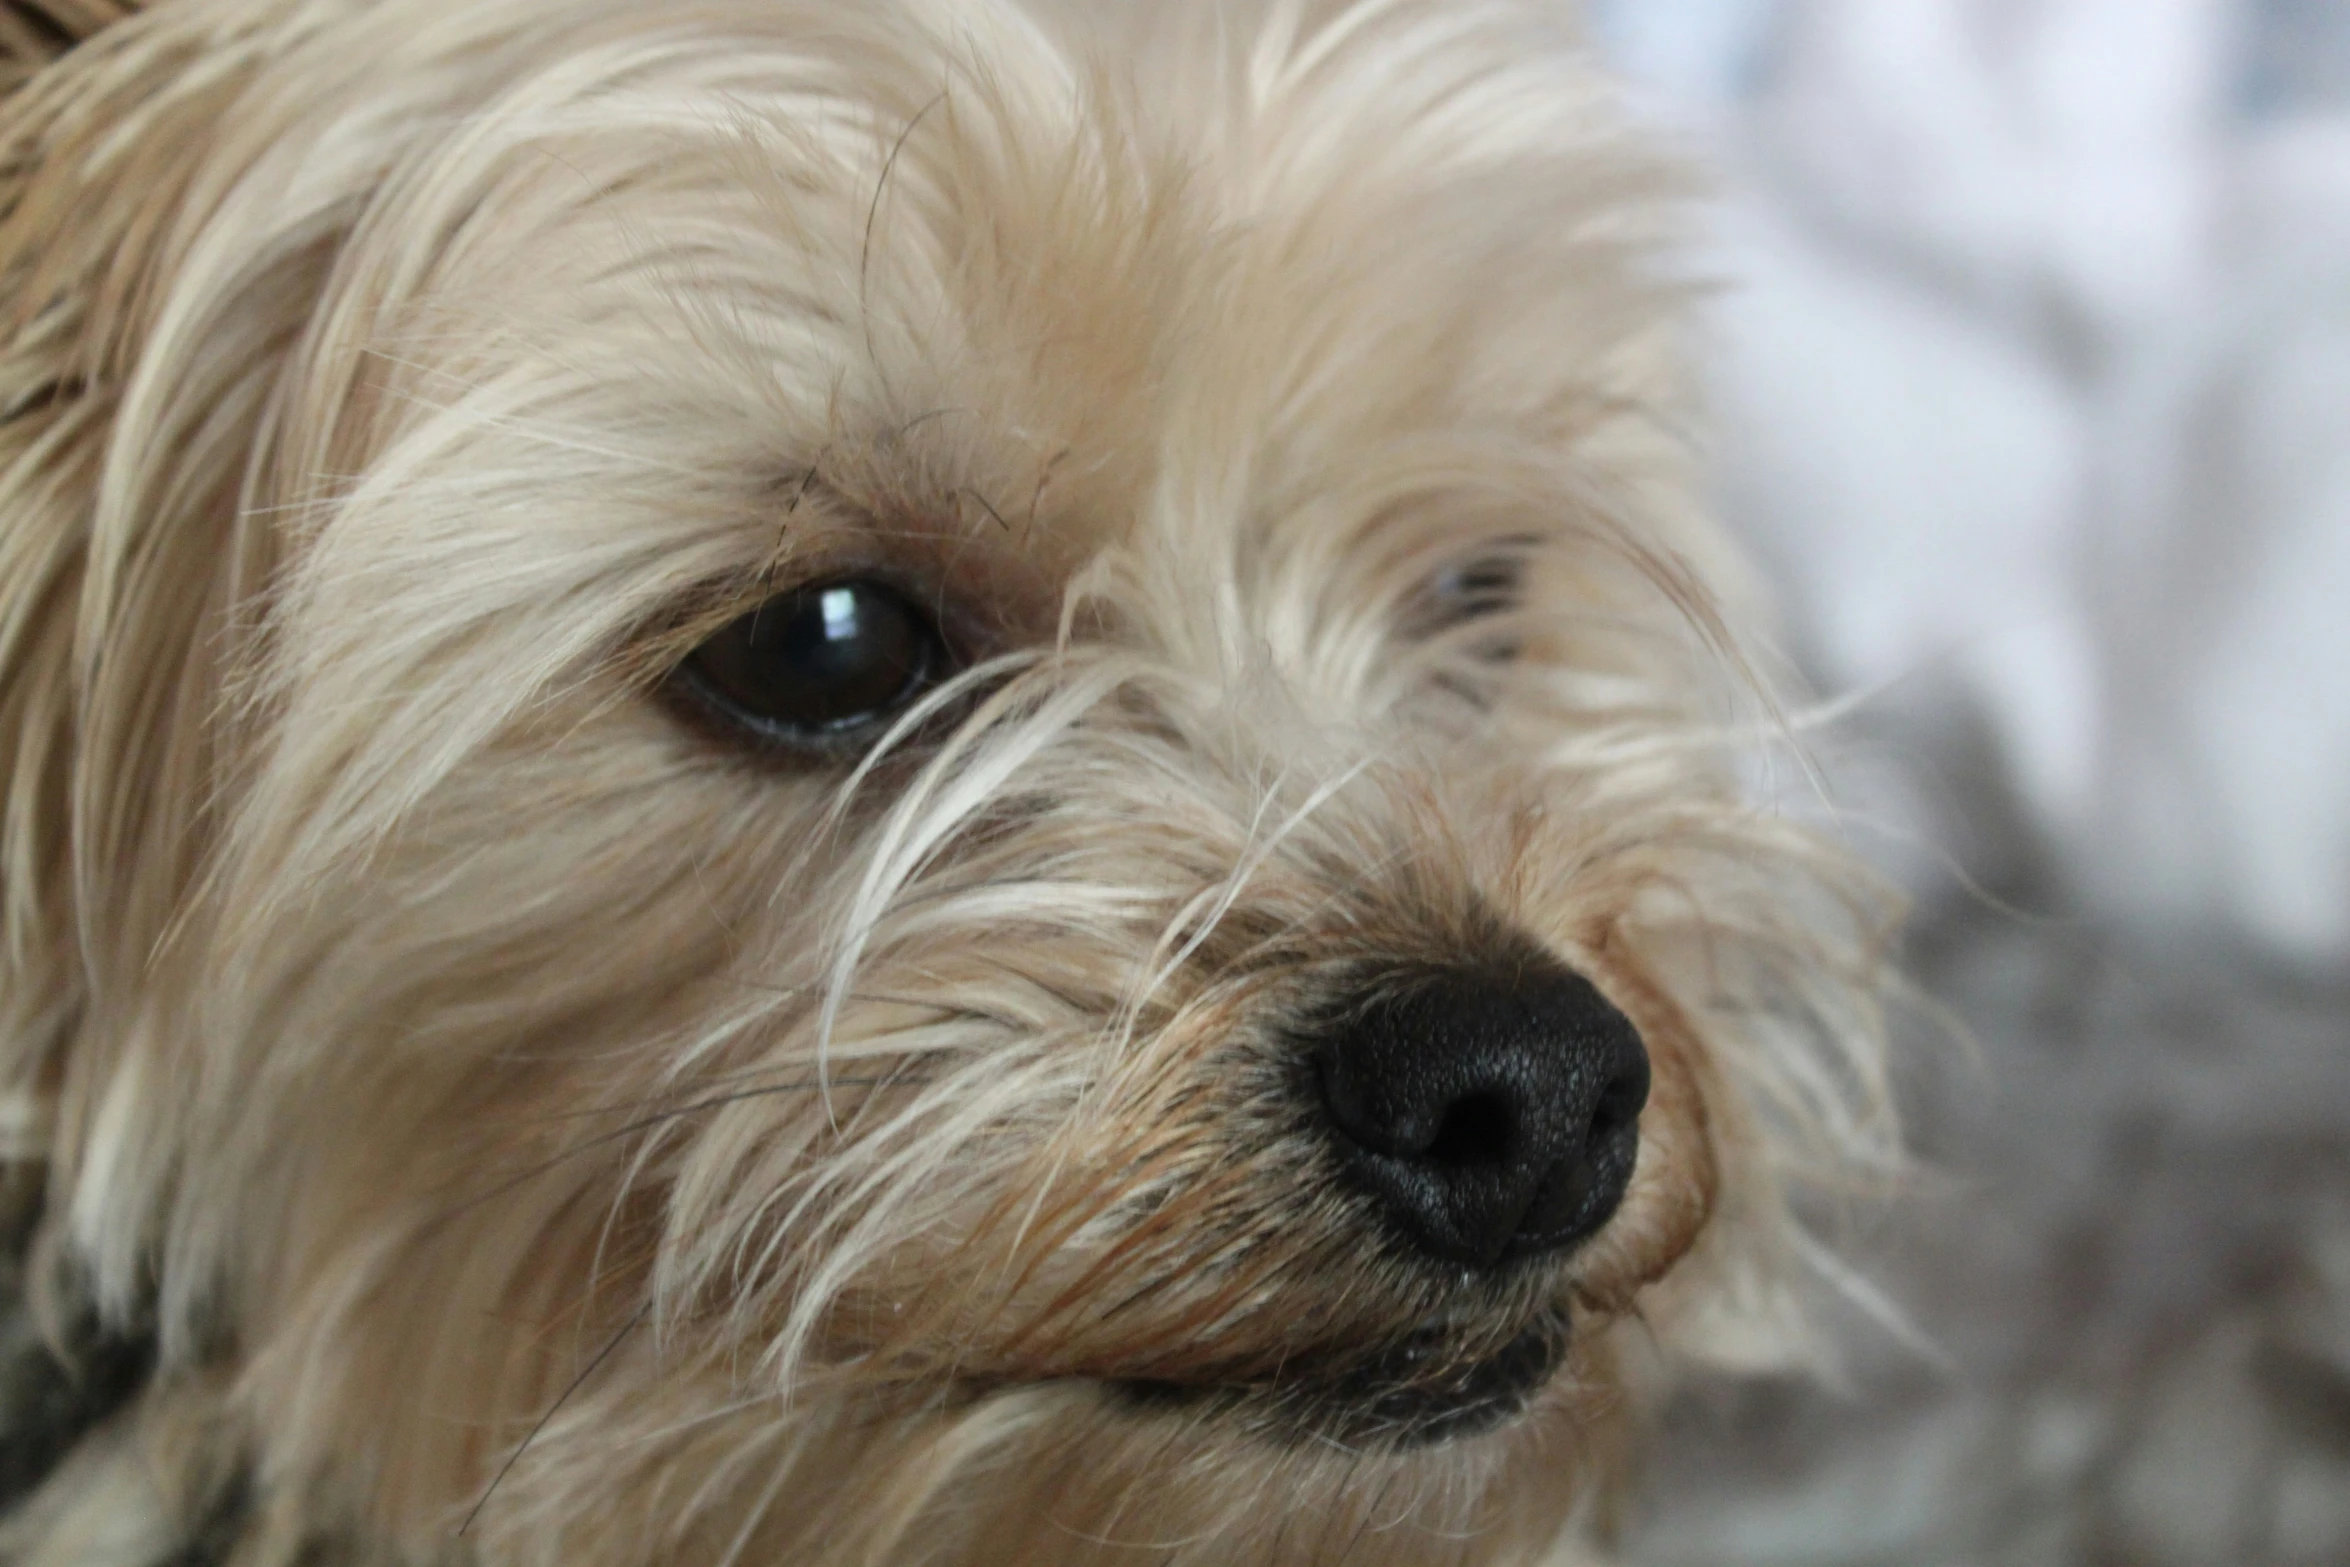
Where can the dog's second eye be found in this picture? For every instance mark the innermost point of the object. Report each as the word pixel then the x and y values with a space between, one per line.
pixel 1482 588
pixel 819 664
pixel 1475 589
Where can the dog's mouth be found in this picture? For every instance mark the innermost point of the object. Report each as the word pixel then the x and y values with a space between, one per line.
pixel 1419 1391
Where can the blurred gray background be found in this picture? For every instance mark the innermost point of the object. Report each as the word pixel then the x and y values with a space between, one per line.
pixel 2031 365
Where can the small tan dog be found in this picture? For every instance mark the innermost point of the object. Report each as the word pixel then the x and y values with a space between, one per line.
pixel 920 781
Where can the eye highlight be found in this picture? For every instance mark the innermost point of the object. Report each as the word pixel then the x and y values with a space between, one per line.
pixel 819 666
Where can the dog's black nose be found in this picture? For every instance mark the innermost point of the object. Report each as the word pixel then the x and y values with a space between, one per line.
pixel 1493 1112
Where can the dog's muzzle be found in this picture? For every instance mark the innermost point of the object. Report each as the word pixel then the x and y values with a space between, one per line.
pixel 1492 1113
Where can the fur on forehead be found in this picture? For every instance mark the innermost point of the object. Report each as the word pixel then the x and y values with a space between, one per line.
pixel 1014 286
pixel 998 235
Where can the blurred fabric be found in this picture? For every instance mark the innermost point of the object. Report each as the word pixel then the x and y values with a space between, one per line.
pixel 2029 351
pixel 2033 374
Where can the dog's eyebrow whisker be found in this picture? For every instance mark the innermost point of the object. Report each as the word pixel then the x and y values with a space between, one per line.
pixel 986 505
pixel 889 166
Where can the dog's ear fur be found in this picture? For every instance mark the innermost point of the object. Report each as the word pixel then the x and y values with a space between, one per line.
pixel 136 377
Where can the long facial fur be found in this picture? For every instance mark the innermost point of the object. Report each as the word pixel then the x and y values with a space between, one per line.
pixel 474 1067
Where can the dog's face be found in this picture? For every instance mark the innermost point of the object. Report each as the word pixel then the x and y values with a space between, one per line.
pixel 893 783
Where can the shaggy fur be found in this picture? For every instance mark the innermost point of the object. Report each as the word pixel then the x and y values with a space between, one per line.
pixel 534 1127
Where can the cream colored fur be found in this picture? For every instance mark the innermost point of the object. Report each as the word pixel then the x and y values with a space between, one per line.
pixel 540 1133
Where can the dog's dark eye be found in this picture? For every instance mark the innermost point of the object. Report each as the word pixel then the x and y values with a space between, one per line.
pixel 819 664
pixel 1481 587
pixel 1477 588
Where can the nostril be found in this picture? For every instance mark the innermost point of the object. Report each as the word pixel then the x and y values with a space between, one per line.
pixel 1477 1130
pixel 1620 1105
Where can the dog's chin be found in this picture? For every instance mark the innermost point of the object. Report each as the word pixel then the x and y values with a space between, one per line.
pixel 1417 1392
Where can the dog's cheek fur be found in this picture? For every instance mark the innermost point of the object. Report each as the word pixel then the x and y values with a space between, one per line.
pixel 413 1018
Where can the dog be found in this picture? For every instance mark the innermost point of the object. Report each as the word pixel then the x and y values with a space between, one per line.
pixel 928 781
